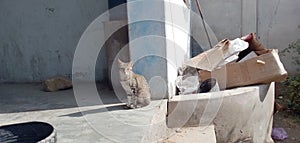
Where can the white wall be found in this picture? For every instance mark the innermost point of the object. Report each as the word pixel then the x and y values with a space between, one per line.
pixel 276 22
pixel 177 29
pixel 279 25
pixel 38 37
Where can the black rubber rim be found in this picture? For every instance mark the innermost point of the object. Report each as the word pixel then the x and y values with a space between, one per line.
pixel 30 132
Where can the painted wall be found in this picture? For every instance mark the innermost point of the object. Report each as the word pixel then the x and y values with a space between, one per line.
pixel 147 43
pixel 159 41
pixel 121 13
pixel 38 38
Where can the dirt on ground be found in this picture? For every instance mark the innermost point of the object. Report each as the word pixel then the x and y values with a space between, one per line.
pixel 285 118
pixel 290 123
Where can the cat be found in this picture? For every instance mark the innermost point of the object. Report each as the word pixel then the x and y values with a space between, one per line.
pixel 135 86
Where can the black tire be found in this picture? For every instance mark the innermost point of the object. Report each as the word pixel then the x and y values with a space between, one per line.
pixel 30 132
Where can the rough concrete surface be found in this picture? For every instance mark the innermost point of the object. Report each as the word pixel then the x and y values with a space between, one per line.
pixel 108 122
pixel 239 115
pixel 193 135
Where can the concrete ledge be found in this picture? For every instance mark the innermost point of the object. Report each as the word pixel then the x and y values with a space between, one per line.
pixel 157 129
pixel 187 110
pixel 193 135
pixel 239 114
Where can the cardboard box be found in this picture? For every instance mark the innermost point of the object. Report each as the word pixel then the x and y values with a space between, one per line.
pixel 209 59
pixel 265 68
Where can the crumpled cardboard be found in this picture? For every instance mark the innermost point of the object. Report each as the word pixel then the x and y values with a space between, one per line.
pixel 265 68
pixel 209 59
pixel 254 45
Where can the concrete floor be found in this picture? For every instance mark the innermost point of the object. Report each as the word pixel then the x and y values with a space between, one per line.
pixel 107 122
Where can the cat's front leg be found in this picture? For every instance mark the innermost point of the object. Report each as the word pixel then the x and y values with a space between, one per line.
pixel 129 100
pixel 132 98
pixel 129 104
pixel 134 101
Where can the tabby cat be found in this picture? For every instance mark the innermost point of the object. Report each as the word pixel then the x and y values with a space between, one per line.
pixel 135 85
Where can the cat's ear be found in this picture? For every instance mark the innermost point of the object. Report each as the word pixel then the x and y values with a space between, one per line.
pixel 130 64
pixel 120 62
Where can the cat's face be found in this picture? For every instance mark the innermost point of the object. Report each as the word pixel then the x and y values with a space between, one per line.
pixel 125 70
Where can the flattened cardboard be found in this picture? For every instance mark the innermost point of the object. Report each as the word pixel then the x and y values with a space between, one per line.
pixel 262 69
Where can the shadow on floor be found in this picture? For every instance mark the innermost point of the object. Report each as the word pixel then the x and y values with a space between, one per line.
pixel 29 97
pixel 94 111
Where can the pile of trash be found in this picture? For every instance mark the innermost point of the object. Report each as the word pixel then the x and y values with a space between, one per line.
pixel 231 63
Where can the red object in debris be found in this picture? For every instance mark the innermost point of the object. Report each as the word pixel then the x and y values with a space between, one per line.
pixel 247 38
